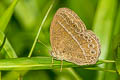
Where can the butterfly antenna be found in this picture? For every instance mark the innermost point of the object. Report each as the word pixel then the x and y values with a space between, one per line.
pixel 49 51
pixel 44 45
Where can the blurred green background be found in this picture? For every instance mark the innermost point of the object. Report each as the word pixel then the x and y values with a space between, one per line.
pixel 101 16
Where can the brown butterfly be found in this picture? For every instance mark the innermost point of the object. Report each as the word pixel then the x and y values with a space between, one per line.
pixel 71 41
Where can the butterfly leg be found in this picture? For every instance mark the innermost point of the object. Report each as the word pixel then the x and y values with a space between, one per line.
pixel 52 62
pixel 61 62
pixel 61 65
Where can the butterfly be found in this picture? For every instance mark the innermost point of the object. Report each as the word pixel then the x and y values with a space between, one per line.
pixel 71 41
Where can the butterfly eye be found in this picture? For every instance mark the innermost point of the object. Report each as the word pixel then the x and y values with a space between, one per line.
pixel 86 37
pixel 92 57
pixel 64 51
pixel 77 31
pixel 61 13
pixel 74 25
pixel 92 51
pixel 68 21
pixel 90 45
pixel 81 35
pixel 89 40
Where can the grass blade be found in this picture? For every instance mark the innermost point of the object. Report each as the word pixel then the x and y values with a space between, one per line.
pixel 31 49
pixel 117 24
pixel 118 60
pixel 7 47
pixel 36 63
pixel 36 38
pixel 5 18
pixel 103 25
pixel 70 70
pixel 118 56
pixel 101 69
pixel 1 38
pixel 116 44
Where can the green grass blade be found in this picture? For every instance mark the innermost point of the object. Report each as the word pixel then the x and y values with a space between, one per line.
pixel 101 69
pixel 0 76
pixel 5 18
pixel 9 74
pixel 103 24
pixel 1 38
pixel 118 55
pixel 118 60
pixel 116 44
pixel 12 56
pixel 44 19
pixel 70 70
pixel 9 50
pixel 31 63
pixel 7 47
pixel 117 24
pixel 35 63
